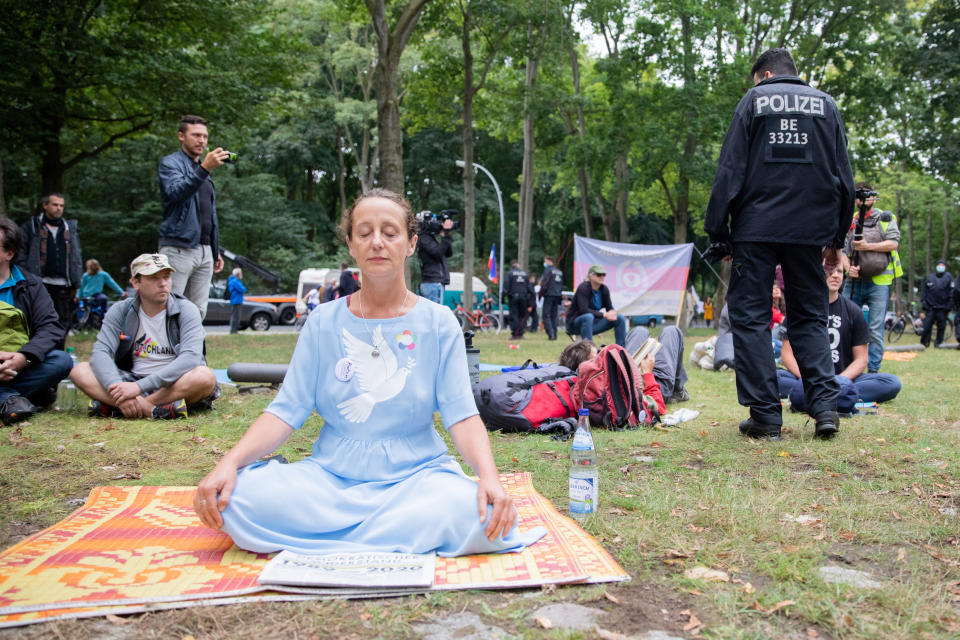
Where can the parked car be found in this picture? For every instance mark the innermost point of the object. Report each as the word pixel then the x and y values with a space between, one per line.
pixel 259 316
pixel 651 320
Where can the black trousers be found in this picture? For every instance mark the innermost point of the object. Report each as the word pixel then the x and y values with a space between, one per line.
pixel 940 317
pixel 235 317
pixel 550 306
pixel 518 314
pixel 534 322
pixel 63 301
pixel 749 304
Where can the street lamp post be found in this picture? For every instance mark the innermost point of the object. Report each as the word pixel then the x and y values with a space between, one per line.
pixel 476 166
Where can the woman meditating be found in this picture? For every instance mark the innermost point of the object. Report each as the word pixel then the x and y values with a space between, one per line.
pixel 375 366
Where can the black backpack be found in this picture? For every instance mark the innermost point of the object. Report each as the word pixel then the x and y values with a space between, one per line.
pixel 527 399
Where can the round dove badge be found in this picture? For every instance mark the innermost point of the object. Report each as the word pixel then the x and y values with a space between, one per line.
pixel 344 369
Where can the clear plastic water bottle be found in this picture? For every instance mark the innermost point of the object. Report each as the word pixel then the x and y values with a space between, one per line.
pixel 584 473
pixel 67 397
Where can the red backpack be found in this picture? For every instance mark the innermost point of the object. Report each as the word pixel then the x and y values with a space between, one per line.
pixel 608 386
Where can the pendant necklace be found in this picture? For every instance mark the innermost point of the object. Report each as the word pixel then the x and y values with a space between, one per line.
pixel 376 348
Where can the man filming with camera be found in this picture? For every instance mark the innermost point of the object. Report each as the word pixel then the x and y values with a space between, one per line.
pixel 872 246
pixel 434 247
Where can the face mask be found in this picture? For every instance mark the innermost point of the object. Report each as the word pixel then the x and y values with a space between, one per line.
pixel 941 268
pixel 545 265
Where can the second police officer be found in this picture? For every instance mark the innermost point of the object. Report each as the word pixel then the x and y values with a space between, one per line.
pixel 551 289
pixel 517 288
pixel 783 194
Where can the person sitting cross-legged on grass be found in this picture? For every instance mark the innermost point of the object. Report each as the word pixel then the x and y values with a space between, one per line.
pixel 849 338
pixel 148 359
pixel 30 365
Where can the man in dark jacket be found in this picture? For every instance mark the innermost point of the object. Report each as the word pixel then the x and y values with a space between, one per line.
pixel 551 288
pixel 937 298
pixel 517 287
pixel 348 284
pixel 30 364
pixel 592 309
pixel 783 192
pixel 189 233
pixel 434 249
pixel 51 250
pixel 148 359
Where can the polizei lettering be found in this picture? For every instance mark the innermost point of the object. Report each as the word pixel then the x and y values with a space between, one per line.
pixel 789 103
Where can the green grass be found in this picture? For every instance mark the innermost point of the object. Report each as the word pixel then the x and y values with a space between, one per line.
pixel 881 495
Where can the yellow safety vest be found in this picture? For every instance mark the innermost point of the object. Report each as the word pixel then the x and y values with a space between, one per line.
pixel 894 269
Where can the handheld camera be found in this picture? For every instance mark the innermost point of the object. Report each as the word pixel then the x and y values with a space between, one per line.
pixel 431 222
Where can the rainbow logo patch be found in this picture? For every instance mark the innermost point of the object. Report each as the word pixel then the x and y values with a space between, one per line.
pixel 406 340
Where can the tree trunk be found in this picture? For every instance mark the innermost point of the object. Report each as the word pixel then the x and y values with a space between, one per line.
pixel 927 266
pixel 528 179
pixel 622 183
pixel 912 264
pixel 605 219
pixel 51 168
pixel 721 298
pixel 390 45
pixel 946 236
pixel 342 176
pixel 581 138
pixel 682 214
pixel 898 283
pixel 469 197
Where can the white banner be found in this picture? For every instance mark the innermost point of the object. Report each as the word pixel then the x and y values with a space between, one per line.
pixel 643 278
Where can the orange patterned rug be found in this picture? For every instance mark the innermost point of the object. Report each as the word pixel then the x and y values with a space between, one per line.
pixel 131 549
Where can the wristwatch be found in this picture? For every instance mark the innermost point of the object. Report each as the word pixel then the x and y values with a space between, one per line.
pixel 27 358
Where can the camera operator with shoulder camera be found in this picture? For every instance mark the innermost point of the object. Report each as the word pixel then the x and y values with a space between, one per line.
pixel 434 247
pixel 874 262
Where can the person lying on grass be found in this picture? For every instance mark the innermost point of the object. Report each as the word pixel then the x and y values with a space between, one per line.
pixel 375 365
pixel 148 360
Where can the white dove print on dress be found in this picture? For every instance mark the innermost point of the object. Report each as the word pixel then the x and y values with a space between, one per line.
pixel 378 376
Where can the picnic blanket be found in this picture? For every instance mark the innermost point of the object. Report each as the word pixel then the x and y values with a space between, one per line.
pixel 131 549
pixel 900 356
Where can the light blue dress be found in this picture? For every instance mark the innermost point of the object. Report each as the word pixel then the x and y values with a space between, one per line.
pixel 379 477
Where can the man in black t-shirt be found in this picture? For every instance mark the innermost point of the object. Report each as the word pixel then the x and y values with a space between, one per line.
pixel 849 337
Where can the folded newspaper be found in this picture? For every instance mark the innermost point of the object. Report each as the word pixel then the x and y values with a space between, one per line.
pixel 369 569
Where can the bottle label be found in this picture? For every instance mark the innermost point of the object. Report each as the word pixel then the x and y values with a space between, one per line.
pixel 582 440
pixel 583 493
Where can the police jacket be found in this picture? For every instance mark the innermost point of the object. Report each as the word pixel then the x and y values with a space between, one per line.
pixel 551 282
pixel 938 291
pixel 517 285
pixel 433 258
pixel 783 174
pixel 113 350
pixel 180 179
pixel 34 258
pixel 43 323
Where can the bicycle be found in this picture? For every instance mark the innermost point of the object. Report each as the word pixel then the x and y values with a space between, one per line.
pixel 89 314
pixel 900 324
pixel 478 319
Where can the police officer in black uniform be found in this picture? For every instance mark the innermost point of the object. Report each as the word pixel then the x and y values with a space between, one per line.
pixel 783 194
pixel 937 298
pixel 551 288
pixel 517 288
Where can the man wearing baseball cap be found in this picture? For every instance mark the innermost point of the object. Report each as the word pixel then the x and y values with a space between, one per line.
pixel 148 359
pixel 592 309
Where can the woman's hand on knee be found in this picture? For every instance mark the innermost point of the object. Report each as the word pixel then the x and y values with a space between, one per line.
pixel 503 516
pixel 213 494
